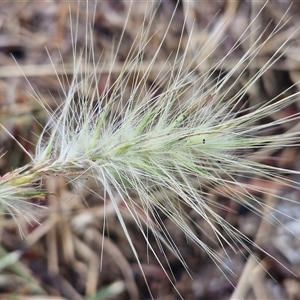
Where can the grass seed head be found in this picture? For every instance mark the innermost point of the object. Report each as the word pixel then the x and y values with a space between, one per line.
pixel 159 135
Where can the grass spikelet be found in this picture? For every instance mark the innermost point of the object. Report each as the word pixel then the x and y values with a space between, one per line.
pixel 157 136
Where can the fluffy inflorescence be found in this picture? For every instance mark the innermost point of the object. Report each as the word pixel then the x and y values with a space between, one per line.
pixel 161 147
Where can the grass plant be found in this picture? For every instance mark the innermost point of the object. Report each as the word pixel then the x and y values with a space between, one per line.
pixel 157 147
